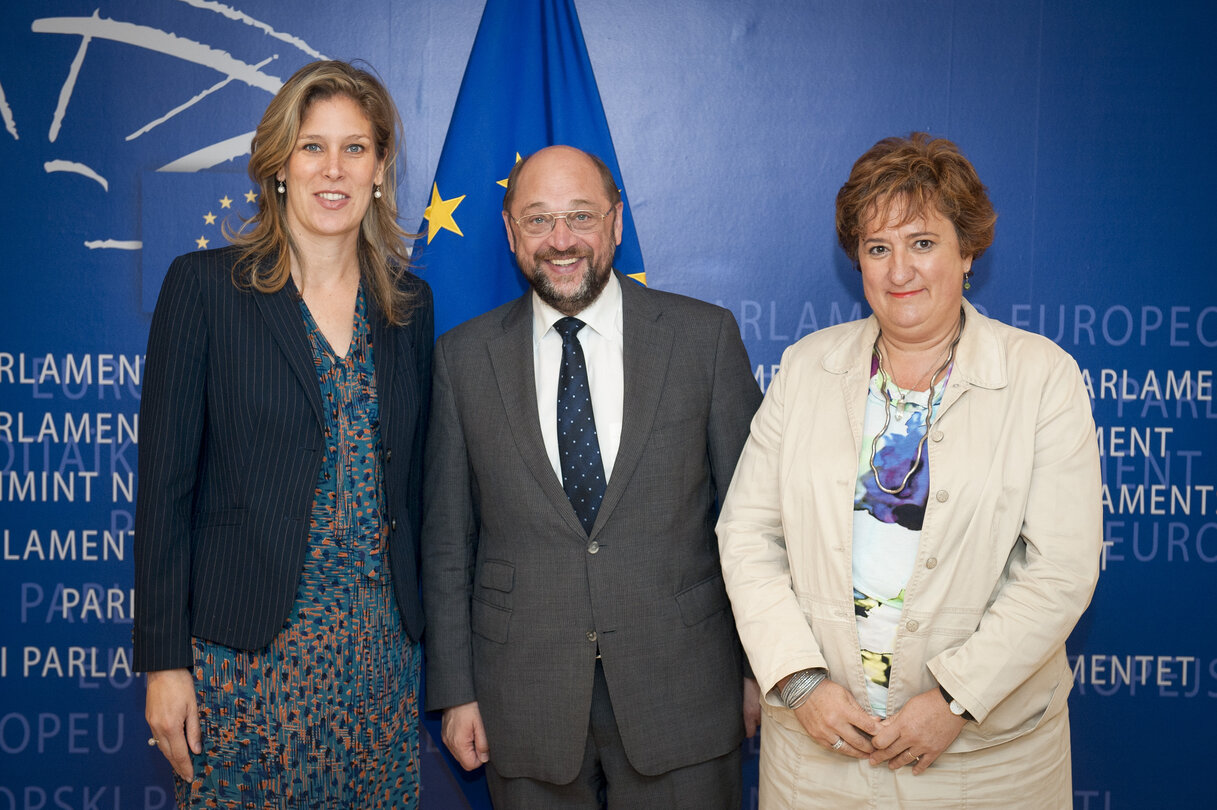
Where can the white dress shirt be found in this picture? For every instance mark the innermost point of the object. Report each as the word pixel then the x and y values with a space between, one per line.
pixel 602 340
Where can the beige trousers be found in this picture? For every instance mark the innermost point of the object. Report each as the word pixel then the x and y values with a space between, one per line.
pixel 1031 772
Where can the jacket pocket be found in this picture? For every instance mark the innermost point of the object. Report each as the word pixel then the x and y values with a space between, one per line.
pixel 1036 701
pixel 497 575
pixel 220 517
pixel 489 621
pixel 703 600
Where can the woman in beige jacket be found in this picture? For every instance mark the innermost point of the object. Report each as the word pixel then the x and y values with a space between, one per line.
pixel 914 526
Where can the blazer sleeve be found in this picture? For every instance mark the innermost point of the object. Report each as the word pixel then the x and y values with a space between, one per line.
pixel 449 548
pixel 423 340
pixel 1052 574
pixel 752 547
pixel 734 401
pixel 172 414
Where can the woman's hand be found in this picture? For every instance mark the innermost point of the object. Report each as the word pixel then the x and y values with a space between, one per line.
pixel 916 734
pixel 830 714
pixel 173 716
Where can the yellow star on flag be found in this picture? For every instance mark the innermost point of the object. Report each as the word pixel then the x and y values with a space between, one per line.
pixel 641 278
pixel 209 218
pixel 201 242
pixel 439 214
pixel 503 182
pixel 225 202
pixel 250 196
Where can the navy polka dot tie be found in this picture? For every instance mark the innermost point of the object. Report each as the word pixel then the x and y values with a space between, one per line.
pixel 578 447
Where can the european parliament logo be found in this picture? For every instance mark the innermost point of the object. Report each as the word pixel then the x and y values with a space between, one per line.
pixel 130 103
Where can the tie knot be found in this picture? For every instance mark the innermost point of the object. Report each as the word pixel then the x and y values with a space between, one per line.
pixel 567 327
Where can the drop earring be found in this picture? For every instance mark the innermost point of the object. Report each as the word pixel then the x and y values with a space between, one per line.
pixel 281 189
pixel 967 280
pixel 376 193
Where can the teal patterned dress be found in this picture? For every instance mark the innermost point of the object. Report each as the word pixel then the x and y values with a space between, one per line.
pixel 327 715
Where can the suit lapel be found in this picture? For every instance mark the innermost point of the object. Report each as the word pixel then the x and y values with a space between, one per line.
pixel 391 359
pixel 511 359
pixel 647 350
pixel 384 357
pixel 850 360
pixel 281 310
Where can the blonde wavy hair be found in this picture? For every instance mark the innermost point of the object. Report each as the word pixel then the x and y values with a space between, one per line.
pixel 266 243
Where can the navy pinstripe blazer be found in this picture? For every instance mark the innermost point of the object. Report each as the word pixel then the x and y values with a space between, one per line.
pixel 231 441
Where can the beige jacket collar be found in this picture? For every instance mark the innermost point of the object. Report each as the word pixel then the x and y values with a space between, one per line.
pixel 980 359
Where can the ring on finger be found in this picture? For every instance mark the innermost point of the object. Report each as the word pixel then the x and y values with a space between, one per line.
pixel 838 744
pixel 913 758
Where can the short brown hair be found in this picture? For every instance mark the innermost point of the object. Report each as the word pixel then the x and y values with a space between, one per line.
pixel 606 177
pixel 916 171
pixel 265 263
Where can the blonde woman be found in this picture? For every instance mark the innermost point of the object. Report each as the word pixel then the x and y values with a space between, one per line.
pixel 283 415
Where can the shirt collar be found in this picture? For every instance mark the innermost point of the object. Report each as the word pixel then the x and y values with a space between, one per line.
pixel 601 315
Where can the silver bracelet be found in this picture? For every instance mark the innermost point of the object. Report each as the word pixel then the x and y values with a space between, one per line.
pixel 800 686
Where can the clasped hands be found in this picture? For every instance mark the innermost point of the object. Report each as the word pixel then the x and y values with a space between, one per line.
pixel 915 735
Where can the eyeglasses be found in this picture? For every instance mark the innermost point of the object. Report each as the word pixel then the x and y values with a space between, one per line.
pixel 541 223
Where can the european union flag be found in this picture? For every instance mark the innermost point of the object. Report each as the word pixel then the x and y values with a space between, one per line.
pixel 528 85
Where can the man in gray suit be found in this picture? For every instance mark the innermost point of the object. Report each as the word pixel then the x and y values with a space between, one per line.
pixel 579 637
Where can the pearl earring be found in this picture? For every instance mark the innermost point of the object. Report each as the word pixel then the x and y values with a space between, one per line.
pixel 376 193
pixel 281 187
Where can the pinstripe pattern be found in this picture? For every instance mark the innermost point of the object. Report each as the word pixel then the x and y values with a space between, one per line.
pixel 230 449
pixel 326 715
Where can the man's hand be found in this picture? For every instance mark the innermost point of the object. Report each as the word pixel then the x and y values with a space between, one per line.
pixel 830 714
pixel 916 734
pixel 465 735
pixel 752 707
pixel 173 715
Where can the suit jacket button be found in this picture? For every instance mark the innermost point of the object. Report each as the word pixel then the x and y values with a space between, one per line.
pixel 591 635
pixel 593 547
pixel 941 496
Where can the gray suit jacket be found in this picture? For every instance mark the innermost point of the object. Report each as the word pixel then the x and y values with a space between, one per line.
pixel 519 598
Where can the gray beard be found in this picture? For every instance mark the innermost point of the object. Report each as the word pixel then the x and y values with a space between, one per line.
pixel 589 289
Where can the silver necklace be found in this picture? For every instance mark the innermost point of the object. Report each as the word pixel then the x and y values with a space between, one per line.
pixel 887 410
pixel 902 395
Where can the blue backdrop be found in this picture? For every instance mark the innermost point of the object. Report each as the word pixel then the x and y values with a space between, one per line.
pixel 734 124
